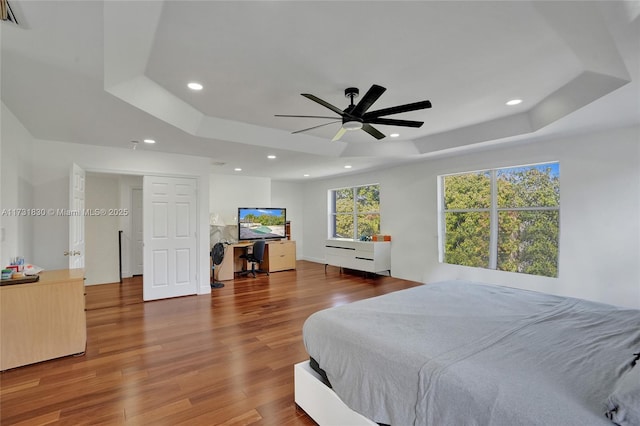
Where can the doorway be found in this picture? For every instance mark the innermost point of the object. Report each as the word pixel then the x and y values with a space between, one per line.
pixel 119 196
pixel 161 209
pixel 137 253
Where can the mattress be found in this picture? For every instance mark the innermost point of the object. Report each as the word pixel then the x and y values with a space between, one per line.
pixel 470 353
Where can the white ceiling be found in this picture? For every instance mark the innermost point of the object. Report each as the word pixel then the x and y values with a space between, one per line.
pixel 106 73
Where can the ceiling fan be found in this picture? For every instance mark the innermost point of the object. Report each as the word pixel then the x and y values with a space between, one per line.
pixel 356 117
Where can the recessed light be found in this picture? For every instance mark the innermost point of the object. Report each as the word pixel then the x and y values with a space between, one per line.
pixel 514 102
pixel 149 141
pixel 394 135
pixel 348 166
pixel 271 157
pixel 237 169
pixel 306 175
pixel 194 86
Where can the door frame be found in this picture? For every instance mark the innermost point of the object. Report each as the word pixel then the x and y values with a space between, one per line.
pixel 77 238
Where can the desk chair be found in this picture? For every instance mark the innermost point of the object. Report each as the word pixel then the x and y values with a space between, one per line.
pixel 256 256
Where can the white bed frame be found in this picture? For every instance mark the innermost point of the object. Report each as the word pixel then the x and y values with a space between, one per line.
pixel 320 402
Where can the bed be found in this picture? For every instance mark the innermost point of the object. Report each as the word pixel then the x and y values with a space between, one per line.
pixel 461 353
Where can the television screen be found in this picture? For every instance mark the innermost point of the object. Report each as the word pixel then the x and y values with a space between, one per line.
pixel 261 223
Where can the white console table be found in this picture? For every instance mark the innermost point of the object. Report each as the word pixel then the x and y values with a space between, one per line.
pixel 368 256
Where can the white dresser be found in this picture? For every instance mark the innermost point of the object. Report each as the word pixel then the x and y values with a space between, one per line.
pixel 368 256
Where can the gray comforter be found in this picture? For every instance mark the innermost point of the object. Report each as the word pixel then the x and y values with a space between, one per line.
pixel 459 353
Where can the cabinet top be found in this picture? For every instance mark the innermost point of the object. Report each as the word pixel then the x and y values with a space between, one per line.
pixel 61 275
pixel 350 240
pixel 250 243
pixel 51 277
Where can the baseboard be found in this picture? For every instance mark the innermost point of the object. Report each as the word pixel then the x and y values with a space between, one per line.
pixel 312 259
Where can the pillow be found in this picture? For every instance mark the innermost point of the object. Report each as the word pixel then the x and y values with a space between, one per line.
pixel 623 405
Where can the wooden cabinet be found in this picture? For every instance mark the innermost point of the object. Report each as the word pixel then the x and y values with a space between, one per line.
pixel 279 256
pixel 43 320
pixel 368 256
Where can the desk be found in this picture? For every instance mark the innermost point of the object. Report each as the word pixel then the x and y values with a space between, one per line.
pixel 282 253
pixel 231 262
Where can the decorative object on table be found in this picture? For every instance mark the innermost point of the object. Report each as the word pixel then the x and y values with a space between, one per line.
pixel 16 263
pixel 32 270
pixel 20 279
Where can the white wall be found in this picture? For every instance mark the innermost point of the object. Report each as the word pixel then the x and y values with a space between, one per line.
pixel 599 228
pixel 51 190
pixel 16 190
pixel 290 196
pixel 228 192
pixel 102 263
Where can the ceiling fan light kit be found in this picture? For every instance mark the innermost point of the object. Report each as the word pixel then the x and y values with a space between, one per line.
pixel 352 125
pixel 356 117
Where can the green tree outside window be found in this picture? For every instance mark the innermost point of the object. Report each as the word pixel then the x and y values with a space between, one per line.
pixel 355 212
pixel 523 236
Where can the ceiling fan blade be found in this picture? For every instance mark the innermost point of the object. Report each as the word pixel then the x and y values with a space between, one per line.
pixel 324 104
pixel 368 99
pixel 304 116
pixel 338 135
pixel 372 131
pixel 397 109
pixel 315 127
pixel 393 122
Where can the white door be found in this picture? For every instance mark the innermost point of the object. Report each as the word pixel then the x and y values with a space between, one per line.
pixel 76 217
pixel 169 211
pixel 136 232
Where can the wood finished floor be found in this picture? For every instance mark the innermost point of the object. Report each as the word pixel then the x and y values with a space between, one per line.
pixel 220 359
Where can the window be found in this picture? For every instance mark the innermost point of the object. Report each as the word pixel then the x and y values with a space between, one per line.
pixel 505 219
pixel 355 212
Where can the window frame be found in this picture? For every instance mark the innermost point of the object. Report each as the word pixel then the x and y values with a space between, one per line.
pixel 332 216
pixel 493 211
